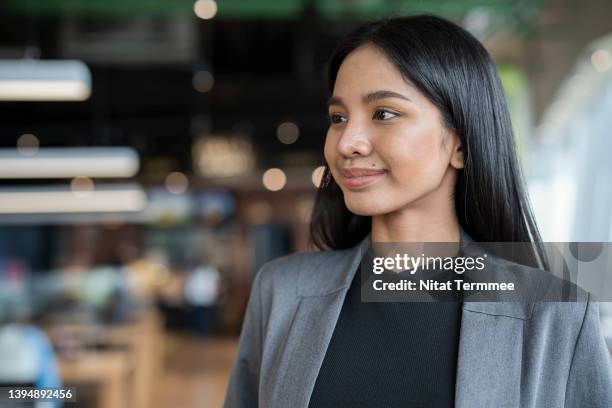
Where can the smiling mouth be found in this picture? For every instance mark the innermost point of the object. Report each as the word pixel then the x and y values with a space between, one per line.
pixel 360 178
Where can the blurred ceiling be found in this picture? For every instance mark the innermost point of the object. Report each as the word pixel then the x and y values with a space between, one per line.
pixel 266 57
pixel 269 8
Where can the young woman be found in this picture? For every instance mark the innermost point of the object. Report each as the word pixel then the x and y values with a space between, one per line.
pixel 419 149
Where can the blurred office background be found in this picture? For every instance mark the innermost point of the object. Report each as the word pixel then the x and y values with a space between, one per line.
pixel 154 153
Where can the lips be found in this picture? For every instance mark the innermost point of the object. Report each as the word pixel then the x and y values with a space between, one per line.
pixel 355 178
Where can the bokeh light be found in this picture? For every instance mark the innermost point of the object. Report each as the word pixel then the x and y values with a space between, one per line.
pixel 28 144
pixel 317 176
pixel 82 186
pixel 203 81
pixel 288 132
pixel 274 179
pixel 176 182
pixel 205 9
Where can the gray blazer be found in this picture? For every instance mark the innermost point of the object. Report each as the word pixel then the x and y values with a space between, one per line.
pixel 528 355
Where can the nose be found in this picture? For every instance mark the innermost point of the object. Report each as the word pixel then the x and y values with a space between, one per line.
pixel 354 141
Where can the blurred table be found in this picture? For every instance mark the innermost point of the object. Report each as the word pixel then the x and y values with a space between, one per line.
pixel 109 370
pixel 126 367
pixel 144 339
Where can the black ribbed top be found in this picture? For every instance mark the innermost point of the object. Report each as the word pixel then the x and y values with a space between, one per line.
pixel 390 354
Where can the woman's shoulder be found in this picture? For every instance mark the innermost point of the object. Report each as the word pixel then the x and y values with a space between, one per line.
pixel 540 297
pixel 309 273
pixel 531 283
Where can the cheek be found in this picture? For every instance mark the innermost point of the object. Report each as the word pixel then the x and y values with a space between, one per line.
pixel 412 154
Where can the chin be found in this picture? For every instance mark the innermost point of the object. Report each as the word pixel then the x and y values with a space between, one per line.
pixel 366 205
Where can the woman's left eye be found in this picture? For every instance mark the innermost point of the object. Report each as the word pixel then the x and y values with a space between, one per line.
pixel 382 114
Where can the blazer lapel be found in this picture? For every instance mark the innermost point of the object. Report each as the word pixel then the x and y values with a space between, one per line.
pixel 489 360
pixel 490 344
pixel 307 344
pixel 314 322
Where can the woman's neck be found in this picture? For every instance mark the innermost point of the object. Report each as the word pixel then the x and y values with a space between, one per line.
pixel 423 223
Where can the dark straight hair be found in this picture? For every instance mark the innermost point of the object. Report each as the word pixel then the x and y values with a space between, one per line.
pixel 455 72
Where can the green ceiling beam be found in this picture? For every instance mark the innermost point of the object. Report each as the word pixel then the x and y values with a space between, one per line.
pixel 380 8
pixel 260 8
pixel 267 8
pixel 227 8
pixel 101 7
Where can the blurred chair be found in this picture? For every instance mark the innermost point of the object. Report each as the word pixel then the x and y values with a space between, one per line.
pixel 27 359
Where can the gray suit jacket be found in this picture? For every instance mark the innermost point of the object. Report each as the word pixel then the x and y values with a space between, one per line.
pixel 528 355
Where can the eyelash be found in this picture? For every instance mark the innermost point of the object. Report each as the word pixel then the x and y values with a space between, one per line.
pixel 334 117
pixel 378 111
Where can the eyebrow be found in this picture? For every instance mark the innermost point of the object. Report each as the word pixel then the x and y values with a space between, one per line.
pixel 370 97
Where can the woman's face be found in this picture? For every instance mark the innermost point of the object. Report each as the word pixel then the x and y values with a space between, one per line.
pixel 386 146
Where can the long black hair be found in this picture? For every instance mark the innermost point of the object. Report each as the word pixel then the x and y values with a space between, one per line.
pixel 455 72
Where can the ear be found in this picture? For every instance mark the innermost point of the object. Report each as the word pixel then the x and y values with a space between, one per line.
pixel 456 159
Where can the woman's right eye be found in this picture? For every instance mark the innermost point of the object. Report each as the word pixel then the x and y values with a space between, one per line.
pixel 336 118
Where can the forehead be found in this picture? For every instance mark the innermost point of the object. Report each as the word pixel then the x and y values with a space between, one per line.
pixel 368 69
